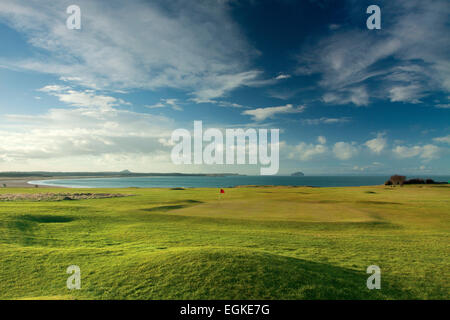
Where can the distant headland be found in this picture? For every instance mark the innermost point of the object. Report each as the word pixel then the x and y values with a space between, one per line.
pixel 298 174
pixel 123 173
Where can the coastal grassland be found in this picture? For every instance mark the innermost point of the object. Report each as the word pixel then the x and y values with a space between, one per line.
pixel 249 243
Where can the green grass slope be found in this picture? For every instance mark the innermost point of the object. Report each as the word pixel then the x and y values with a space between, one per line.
pixel 249 243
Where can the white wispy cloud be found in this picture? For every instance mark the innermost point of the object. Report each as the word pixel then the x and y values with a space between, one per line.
pixel 220 103
pixel 325 120
pixel 284 93
pixel 356 95
pixel 85 98
pixel 189 45
pixel 404 61
pixel 163 103
pixel 378 144
pixel 230 104
pixel 344 150
pixel 445 139
pixel 426 152
pixel 261 114
pixel 321 139
pixel 306 152
pixel 282 76
pixel 410 93
pixel 334 26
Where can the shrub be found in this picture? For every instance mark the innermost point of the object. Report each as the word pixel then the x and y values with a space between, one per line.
pixel 415 181
pixel 398 180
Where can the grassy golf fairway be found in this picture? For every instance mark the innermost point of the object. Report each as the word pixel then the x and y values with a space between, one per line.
pixel 249 243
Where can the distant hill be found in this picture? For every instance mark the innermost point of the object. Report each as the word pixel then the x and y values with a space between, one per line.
pixel 297 174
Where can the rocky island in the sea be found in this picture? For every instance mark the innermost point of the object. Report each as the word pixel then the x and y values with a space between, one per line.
pixel 297 174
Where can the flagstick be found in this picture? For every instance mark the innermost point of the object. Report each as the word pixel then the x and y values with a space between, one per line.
pixel 219 197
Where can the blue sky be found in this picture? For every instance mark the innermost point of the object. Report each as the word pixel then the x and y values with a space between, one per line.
pixel 347 100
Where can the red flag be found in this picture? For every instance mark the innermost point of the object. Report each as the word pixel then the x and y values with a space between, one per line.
pixel 222 191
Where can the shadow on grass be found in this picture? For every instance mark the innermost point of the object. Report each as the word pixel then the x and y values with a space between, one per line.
pixel 24 227
pixel 165 208
pixel 46 218
pixel 180 205
pixel 377 202
pixel 192 201
pixel 225 273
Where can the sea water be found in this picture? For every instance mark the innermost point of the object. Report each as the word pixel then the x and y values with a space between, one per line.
pixel 223 181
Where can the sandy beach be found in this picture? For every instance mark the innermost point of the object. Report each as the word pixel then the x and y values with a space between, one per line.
pixel 22 182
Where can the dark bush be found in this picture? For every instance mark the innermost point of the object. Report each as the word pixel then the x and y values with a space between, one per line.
pixel 415 181
pixel 422 181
